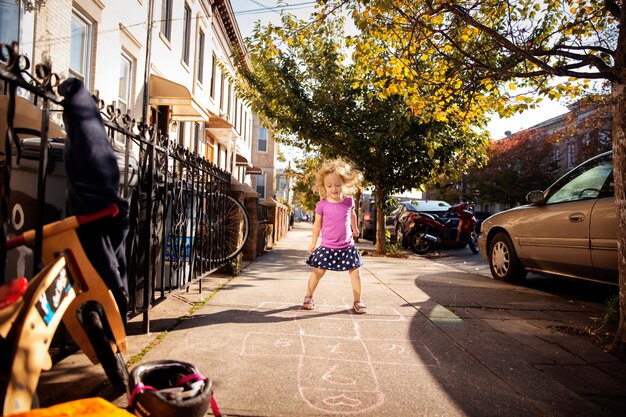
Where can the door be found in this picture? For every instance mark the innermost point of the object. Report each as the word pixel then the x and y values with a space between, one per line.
pixel 555 237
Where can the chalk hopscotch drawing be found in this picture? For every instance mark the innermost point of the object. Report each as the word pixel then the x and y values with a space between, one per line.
pixel 335 370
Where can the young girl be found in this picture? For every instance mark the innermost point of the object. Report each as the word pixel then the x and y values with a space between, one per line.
pixel 336 220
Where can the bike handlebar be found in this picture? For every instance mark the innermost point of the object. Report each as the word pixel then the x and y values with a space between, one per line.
pixel 112 210
pixel 72 222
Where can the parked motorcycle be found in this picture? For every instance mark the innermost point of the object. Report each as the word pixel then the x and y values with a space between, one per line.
pixel 454 230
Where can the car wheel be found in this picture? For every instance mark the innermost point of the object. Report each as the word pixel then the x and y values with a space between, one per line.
pixel 503 261
pixel 472 242
pixel 419 244
pixel 400 237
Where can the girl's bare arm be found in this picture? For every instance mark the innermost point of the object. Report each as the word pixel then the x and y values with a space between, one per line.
pixel 317 226
pixel 355 229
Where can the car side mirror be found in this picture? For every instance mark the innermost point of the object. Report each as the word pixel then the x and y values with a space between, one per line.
pixel 535 197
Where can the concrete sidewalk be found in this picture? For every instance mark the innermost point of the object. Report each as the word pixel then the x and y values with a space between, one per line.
pixel 437 340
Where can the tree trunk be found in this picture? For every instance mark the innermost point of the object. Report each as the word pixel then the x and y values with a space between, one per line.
pixel 619 175
pixel 380 220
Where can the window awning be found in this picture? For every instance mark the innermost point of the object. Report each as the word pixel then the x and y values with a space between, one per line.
pixel 254 171
pixel 242 160
pixel 185 108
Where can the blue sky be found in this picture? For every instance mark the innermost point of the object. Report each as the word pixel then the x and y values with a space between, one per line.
pixel 248 12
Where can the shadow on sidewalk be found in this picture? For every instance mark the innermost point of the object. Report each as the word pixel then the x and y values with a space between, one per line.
pixel 252 316
pixel 500 330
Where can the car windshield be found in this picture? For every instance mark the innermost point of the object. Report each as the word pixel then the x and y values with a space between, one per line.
pixel 583 183
pixel 428 206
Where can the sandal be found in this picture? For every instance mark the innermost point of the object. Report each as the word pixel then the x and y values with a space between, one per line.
pixel 359 307
pixel 308 303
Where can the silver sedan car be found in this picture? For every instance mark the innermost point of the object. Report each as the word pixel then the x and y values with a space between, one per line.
pixel 568 230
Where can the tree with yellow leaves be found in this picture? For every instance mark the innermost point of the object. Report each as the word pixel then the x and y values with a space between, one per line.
pixel 459 60
pixel 303 84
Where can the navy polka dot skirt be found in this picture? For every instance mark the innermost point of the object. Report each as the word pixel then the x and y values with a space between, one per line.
pixel 335 259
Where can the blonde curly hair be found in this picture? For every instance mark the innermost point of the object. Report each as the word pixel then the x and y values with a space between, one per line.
pixel 351 178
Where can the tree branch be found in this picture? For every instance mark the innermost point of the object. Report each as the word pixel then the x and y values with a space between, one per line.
pixel 584 60
pixel 586 48
pixel 461 14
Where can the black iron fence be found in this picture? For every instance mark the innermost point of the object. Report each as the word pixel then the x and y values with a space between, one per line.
pixel 171 191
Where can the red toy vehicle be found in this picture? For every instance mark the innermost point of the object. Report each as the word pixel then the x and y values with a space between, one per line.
pixel 454 230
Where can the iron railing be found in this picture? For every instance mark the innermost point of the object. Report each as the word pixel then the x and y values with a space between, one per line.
pixel 169 188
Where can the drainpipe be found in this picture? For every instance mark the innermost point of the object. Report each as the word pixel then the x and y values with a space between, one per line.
pixel 144 118
pixel 146 74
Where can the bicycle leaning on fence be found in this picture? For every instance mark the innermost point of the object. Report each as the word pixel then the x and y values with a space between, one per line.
pixel 223 229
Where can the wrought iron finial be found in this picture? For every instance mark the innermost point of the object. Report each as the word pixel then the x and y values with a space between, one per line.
pixel 45 78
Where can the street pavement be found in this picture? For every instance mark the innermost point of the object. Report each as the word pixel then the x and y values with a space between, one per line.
pixel 439 339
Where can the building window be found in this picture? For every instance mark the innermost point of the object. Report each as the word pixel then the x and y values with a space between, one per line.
pixel 236 118
pixel 9 21
pixel 81 45
pixel 230 93
pixel 200 73
pixel 213 69
pixel 240 116
pixel 186 33
pixel 260 185
pixel 125 95
pixel 222 81
pixel 262 139
pixel 571 155
pixel 166 19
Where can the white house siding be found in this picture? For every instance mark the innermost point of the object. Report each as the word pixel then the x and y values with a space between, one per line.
pixel 120 27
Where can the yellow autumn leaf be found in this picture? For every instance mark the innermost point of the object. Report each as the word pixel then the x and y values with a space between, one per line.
pixel 440 117
pixel 437 20
pixel 512 86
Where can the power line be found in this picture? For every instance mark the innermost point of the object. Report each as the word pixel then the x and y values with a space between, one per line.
pixel 265 7
pixel 275 9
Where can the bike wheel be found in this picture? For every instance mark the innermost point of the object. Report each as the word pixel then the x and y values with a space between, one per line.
pixel 99 335
pixel 472 242
pixel 225 228
pixel 236 237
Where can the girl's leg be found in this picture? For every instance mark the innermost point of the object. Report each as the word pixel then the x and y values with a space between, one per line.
pixel 357 305
pixel 314 279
